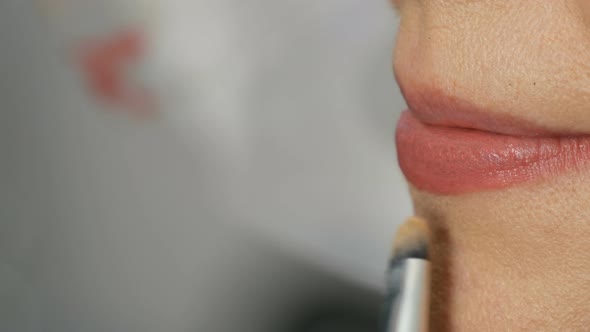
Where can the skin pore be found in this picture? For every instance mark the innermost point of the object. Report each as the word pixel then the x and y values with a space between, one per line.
pixel 513 259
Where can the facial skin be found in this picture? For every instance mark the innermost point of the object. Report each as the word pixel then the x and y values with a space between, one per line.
pixel 515 259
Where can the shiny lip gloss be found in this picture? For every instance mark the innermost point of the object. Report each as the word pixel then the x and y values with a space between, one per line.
pixel 445 153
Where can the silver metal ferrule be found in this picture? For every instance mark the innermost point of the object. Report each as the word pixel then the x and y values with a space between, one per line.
pixel 410 309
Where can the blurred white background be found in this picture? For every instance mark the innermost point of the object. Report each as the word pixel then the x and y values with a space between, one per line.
pixel 266 176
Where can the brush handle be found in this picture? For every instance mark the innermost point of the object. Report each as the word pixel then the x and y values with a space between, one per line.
pixel 411 300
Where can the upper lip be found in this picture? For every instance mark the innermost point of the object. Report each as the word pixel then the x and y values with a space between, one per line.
pixel 435 108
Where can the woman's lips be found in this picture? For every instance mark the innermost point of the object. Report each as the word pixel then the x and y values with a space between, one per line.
pixel 445 159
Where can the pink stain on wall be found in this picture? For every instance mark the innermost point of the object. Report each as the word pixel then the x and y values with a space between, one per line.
pixel 105 65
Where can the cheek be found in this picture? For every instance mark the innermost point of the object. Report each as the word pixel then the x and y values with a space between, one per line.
pixel 582 7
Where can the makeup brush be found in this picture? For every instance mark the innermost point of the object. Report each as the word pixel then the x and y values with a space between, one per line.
pixel 408 279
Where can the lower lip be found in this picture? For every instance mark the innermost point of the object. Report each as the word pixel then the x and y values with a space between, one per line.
pixel 446 160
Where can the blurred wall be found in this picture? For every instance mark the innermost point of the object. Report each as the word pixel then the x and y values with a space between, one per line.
pixel 267 158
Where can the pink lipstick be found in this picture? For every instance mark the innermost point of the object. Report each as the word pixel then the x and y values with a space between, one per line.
pixel 446 153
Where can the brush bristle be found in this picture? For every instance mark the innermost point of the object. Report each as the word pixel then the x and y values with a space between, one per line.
pixel 413 240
